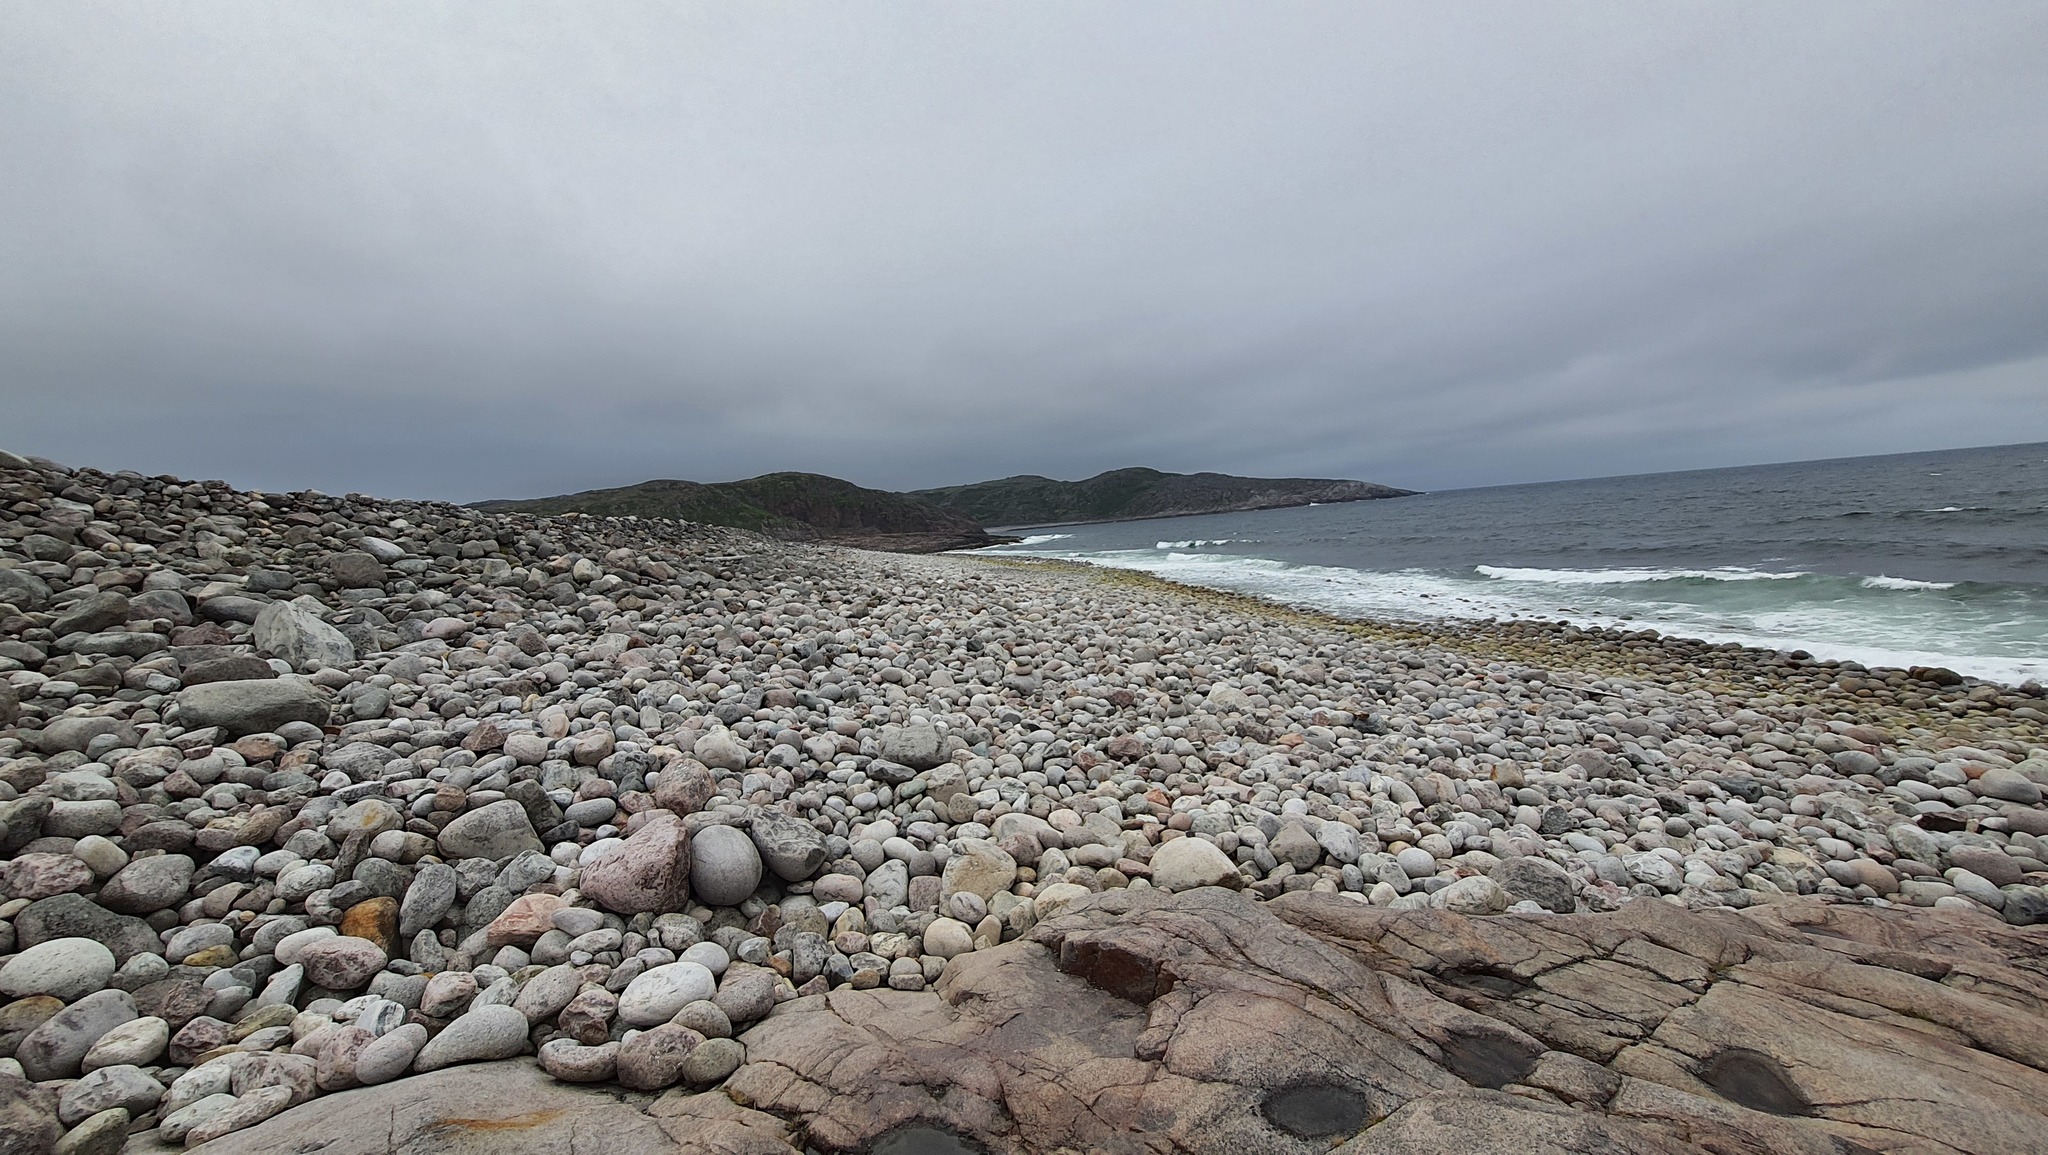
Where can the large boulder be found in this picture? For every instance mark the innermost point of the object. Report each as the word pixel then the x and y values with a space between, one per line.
pixel 148 885
pixel 1189 863
pixel 656 995
pixel 488 1032
pixel 295 632
pixel 721 751
pixel 22 589
pixel 75 916
pixel 91 614
pixel 725 865
pixel 356 569
pixel 251 707
pixel 54 1049
pixel 494 831
pixel 28 1115
pixel 978 867
pixel 1536 880
pixel 791 847
pixel 917 745
pixel 648 872
pixel 66 968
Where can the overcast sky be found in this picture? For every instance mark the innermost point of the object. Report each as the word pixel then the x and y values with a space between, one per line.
pixel 505 250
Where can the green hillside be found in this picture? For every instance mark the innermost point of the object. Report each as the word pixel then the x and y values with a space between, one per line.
pixel 1128 494
pixel 799 506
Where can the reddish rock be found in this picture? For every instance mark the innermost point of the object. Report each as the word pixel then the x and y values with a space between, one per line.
pixel 684 787
pixel 488 736
pixel 654 1058
pixel 342 963
pixel 650 871
pixel 34 876
pixel 1182 1023
pixel 588 1017
pixel 529 917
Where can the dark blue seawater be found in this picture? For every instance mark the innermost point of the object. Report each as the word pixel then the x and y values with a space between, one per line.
pixel 1909 559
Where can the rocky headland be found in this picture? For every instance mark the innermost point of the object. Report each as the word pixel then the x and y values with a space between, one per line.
pixel 787 506
pixel 341 824
pixel 1131 494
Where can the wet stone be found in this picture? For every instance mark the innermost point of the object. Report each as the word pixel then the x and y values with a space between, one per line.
pixel 1316 1110
pixel 1756 1081
pixel 1489 1060
pixel 922 1139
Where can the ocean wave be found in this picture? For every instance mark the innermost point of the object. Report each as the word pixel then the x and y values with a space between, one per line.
pixel 1195 543
pixel 1607 577
pixel 1042 538
pixel 1824 616
pixel 1881 582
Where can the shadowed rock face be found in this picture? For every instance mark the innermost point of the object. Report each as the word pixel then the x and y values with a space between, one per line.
pixel 1207 1022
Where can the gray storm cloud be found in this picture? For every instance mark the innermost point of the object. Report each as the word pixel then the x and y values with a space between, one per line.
pixel 467 251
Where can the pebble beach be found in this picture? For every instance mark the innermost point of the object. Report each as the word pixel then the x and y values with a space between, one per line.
pixel 301 793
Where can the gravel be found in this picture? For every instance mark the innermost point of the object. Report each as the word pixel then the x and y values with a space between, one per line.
pixel 449 785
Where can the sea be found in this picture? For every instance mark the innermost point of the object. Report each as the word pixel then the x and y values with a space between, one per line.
pixel 1912 559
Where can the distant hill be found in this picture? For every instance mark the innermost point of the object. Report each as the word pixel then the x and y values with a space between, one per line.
pixel 797 506
pixel 1129 494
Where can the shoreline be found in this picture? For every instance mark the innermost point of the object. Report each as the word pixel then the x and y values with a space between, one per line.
pixel 1894 690
pixel 2021 678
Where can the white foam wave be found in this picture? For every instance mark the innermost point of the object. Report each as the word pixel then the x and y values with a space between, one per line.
pixel 1194 543
pixel 1872 630
pixel 1608 577
pixel 1042 538
pixel 1881 582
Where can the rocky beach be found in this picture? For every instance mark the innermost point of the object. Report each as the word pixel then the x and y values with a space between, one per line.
pixel 358 825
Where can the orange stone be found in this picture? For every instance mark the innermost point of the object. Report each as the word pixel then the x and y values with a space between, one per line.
pixel 375 919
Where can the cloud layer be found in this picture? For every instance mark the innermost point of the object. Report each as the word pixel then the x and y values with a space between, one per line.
pixel 468 251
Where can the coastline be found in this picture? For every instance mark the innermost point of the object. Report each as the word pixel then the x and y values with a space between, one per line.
pixel 1004 529
pixel 1941 702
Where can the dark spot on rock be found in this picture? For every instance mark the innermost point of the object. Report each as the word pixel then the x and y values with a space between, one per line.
pixel 1108 966
pixel 1756 1081
pixel 1313 1110
pixel 921 1139
pixel 1490 984
pixel 1488 1060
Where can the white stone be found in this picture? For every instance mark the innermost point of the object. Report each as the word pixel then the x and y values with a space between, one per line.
pixel 63 968
pixel 489 1032
pixel 947 937
pixel 1187 863
pixel 137 1042
pixel 657 994
pixel 1475 895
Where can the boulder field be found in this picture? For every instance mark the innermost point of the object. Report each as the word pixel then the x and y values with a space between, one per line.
pixel 343 824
